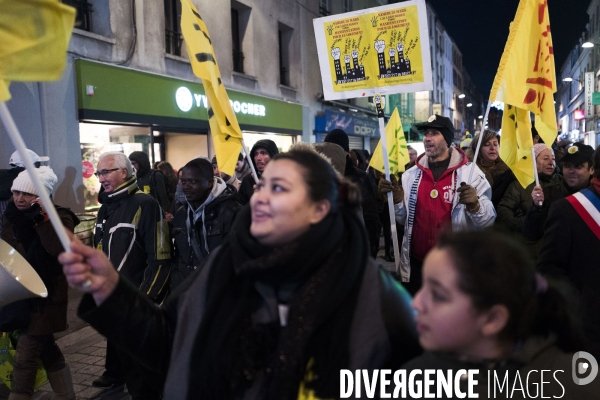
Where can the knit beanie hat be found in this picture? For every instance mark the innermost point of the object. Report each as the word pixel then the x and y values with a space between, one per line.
pixel 538 148
pixel 339 137
pixel 23 182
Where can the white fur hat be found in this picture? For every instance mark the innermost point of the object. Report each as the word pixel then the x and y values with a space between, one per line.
pixel 23 182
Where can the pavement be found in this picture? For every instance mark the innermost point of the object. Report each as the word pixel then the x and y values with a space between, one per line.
pixel 84 350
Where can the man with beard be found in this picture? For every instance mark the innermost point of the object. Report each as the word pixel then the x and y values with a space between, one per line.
pixel 202 224
pixel 260 154
pixel 435 195
pixel 132 232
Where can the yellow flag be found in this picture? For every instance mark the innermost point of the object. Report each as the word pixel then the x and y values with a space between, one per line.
pixel 526 80
pixel 225 130
pixel 397 147
pixel 34 37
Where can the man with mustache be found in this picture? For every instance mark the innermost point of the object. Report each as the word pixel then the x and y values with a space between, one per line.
pixel 260 154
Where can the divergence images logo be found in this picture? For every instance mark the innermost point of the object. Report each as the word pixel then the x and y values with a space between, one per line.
pixel 184 99
pixel 580 368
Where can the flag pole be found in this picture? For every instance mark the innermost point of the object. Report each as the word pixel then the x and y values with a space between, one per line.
pixel 247 154
pixel 17 140
pixel 386 164
pixel 485 118
pixel 535 172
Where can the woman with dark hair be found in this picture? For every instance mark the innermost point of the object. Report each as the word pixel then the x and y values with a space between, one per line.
pixel 289 299
pixel 497 173
pixel 170 180
pixel 483 307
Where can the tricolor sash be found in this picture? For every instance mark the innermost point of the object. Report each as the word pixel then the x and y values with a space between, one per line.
pixel 587 205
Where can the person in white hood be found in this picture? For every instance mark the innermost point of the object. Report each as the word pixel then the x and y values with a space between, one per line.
pixel 200 225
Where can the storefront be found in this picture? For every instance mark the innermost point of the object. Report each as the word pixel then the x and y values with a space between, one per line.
pixel 127 110
pixel 363 132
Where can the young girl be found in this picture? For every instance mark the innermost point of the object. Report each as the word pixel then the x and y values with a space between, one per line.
pixel 482 306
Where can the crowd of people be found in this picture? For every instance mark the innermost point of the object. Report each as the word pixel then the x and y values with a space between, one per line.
pixel 217 286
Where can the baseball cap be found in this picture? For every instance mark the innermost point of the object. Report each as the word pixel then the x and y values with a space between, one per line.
pixel 442 124
pixel 17 161
pixel 578 153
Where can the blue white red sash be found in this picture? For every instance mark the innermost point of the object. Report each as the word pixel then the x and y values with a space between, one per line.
pixel 587 205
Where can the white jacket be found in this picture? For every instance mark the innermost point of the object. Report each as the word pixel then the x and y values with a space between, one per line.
pixel 461 219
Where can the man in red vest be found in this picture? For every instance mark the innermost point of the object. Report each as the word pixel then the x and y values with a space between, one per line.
pixel 435 195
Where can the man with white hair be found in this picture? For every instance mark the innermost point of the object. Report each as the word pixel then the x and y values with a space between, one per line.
pixel 133 233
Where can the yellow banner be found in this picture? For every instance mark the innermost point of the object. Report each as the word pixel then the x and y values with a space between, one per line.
pixel 34 37
pixel 526 77
pixel 516 144
pixel 224 127
pixel 384 47
pixel 397 147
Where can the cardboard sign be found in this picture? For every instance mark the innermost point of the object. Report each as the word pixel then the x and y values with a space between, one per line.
pixel 382 50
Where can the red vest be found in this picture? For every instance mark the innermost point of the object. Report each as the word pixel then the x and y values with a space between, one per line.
pixel 432 215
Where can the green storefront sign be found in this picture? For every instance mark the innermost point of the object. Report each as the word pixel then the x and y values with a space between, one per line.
pixel 596 98
pixel 129 96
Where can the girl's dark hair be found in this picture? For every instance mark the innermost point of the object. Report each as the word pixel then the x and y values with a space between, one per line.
pixel 493 269
pixel 167 169
pixel 321 179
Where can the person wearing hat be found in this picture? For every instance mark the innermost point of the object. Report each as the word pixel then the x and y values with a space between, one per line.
pixel 229 179
pixel 151 181
pixel 435 194
pixel 261 154
pixel 7 176
pixel 27 228
pixel 368 189
pixel 571 243
pixel 577 172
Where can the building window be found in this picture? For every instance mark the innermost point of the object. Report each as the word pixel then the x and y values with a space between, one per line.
pixel 83 19
pixel 173 36
pixel 324 7
pixel 285 39
pixel 347 5
pixel 238 55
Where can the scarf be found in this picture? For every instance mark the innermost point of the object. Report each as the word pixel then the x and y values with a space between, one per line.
pixel 493 170
pixel 230 353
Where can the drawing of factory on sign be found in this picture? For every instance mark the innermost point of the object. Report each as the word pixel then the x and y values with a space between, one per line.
pixel 351 74
pixel 396 67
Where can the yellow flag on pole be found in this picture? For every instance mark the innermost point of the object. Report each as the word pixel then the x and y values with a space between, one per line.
pixel 34 37
pixel 397 147
pixel 224 127
pixel 526 81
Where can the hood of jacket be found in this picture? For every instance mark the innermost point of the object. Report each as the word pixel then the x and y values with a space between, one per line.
pixel 143 162
pixel 266 144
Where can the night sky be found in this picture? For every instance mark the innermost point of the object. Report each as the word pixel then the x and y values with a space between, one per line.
pixel 480 30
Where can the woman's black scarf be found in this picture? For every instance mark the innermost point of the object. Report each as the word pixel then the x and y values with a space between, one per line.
pixel 327 264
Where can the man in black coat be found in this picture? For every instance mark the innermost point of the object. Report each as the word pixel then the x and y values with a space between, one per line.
pixel 201 225
pixel 261 154
pixel 367 187
pixel 571 250
pixel 151 181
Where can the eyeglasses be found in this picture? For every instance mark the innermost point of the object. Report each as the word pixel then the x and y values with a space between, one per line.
pixel 105 172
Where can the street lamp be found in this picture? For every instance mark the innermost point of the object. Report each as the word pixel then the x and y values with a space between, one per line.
pixel 587 45
pixel 469 104
pixel 461 96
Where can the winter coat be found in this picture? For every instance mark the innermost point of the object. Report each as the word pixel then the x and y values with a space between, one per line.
pixel 36 240
pixel 535 355
pixel 517 200
pixel 7 176
pixel 133 233
pixel 572 251
pixel 151 181
pixel 219 214
pixel 461 219
pixel 247 186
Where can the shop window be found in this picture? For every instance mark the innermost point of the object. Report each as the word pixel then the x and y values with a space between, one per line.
pixel 285 41
pixel 83 19
pixel 173 36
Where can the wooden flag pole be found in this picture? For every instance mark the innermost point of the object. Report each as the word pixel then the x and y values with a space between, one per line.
pixel 535 172
pixel 485 118
pixel 386 164
pixel 17 140
pixel 247 154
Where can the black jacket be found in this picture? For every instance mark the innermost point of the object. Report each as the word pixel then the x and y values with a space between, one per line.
pixel 7 176
pixel 572 251
pixel 151 181
pixel 190 250
pixel 133 233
